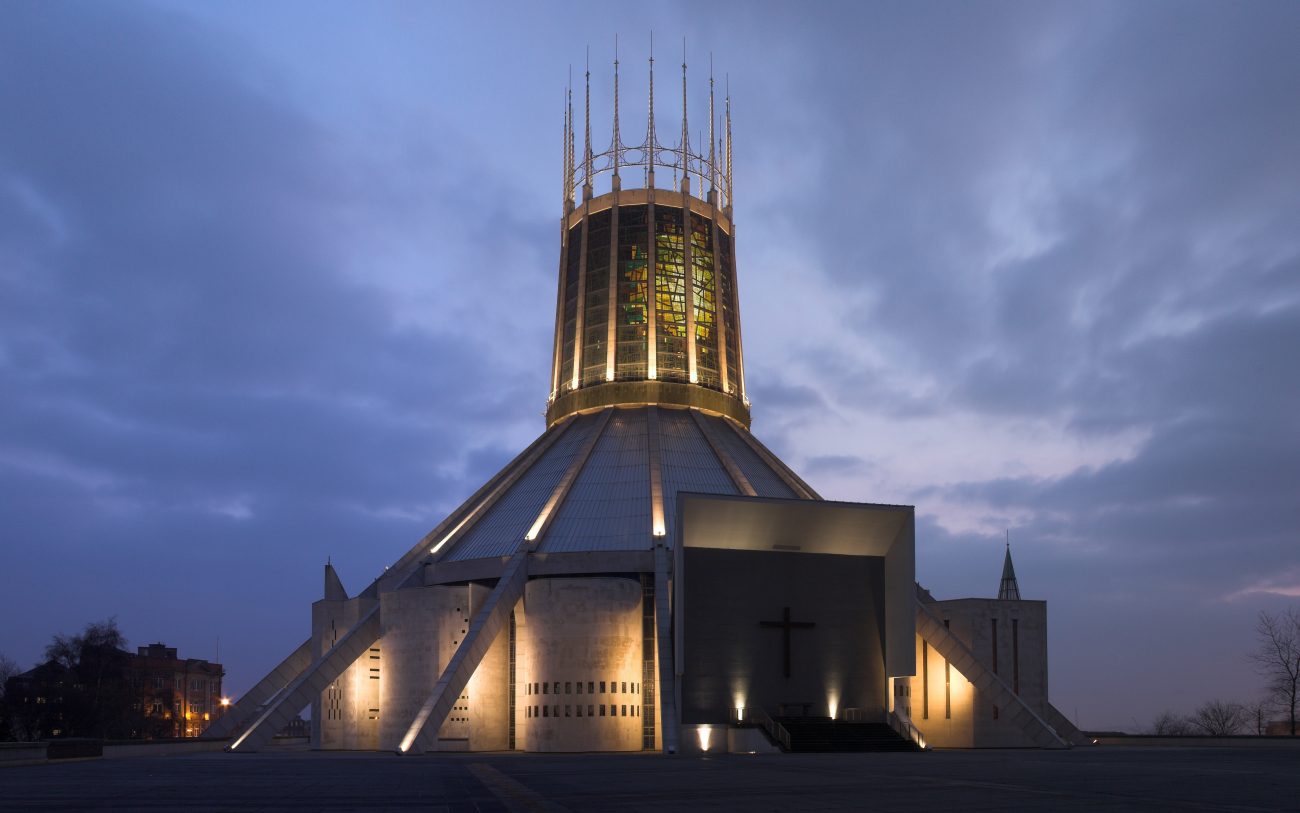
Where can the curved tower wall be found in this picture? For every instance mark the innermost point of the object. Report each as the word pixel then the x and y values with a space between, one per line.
pixel 578 684
pixel 648 309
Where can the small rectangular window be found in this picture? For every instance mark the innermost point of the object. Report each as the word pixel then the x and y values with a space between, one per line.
pixel 557 687
pixel 625 711
pixel 546 687
pixel 578 709
pixel 602 709
pixel 568 687
pixel 546 711
pixel 579 685
pixel 602 687
pixel 591 687
pixel 591 710
pixel 625 687
pixel 568 711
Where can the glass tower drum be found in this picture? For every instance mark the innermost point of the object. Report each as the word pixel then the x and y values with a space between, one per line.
pixel 647 306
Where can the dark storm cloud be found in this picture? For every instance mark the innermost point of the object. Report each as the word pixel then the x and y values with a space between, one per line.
pixel 184 352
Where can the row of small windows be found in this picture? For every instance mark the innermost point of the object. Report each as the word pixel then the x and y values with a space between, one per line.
pixel 615 687
pixel 593 710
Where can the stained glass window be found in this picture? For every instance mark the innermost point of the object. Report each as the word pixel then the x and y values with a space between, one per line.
pixel 705 288
pixel 670 294
pixel 727 297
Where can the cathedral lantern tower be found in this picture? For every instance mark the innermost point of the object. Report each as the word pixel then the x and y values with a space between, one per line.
pixel 647 309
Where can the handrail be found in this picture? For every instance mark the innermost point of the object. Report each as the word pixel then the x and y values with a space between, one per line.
pixel 906 729
pixel 757 716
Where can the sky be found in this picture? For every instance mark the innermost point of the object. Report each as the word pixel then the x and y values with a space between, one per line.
pixel 277 286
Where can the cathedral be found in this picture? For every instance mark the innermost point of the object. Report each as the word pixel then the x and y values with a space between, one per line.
pixel 647 575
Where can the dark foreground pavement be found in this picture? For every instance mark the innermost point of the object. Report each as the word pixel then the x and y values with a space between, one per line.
pixel 1083 779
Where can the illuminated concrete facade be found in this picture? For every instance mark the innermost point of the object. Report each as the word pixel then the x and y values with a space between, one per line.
pixel 646 575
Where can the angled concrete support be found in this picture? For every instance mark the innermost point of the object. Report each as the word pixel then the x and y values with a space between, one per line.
pixel 930 627
pixel 1067 730
pixel 264 690
pixel 488 622
pixel 667 673
pixel 310 683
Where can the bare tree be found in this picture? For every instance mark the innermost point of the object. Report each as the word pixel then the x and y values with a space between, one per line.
pixel 1257 712
pixel 1219 718
pixel 1169 724
pixel 1277 658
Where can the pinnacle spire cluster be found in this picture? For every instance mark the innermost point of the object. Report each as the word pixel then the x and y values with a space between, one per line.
pixel 708 171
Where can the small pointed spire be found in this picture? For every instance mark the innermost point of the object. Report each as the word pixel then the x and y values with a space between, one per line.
pixel 586 144
pixel 333 585
pixel 618 141
pixel 1009 589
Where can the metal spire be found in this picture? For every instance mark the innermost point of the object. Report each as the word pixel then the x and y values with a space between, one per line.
pixel 1010 588
pixel 573 164
pixel 713 162
pixel 564 141
pixel 586 144
pixel 686 137
pixel 729 176
pixel 650 125
pixel 618 141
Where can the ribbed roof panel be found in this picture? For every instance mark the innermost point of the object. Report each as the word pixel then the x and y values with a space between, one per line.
pixel 503 527
pixel 766 482
pixel 608 507
pixel 688 462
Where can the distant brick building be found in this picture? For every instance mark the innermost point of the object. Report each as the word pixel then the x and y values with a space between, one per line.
pixel 152 694
pixel 184 692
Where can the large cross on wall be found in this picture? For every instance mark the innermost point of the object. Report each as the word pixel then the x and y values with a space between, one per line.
pixel 785 625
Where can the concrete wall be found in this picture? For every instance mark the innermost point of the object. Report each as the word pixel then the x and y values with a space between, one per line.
pixel 578 654
pixel 1021 646
pixel 730 660
pixel 422 628
pixel 346 715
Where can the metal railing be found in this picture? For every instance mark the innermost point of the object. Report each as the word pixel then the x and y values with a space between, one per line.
pixel 906 729
pixel 752 715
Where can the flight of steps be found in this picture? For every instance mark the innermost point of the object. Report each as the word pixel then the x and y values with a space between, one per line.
pixel 822 734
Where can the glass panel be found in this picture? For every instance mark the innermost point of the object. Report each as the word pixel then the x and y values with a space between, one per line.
pixel 596 315
pixel 727 296
pixel 570 307
pixel 670 294
pixel 633 293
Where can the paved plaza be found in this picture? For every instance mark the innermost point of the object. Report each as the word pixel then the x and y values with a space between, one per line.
pixel 1091 779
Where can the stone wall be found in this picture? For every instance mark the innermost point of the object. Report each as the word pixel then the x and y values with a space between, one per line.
pixel 578 669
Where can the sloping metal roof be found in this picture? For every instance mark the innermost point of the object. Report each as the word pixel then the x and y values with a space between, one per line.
pixel 499 531
pixel 609 503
